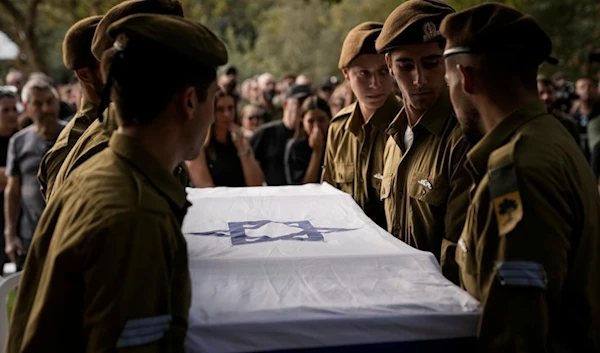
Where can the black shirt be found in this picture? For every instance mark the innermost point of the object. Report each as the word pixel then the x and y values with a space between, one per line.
pixel 269 142
pixel 3 152
pixel 224 164
pixel 297 158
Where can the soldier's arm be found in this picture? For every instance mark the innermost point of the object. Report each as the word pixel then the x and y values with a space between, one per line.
pixel 458 202
pixel 49 167
pixel 328 166
pixel 524 263
pixel 128 285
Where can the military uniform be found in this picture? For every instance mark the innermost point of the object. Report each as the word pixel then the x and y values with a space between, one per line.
pixel 425 186
pixel 354 155
pixel 108 270
pixel 77 54
pixel 424 182
pixel 54 158
pixel 530 247
pixel 354 148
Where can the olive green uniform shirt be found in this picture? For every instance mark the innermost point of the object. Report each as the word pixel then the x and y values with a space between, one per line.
pixel 425 187
pixel 94 140
pixel 530 248
pixel 54 158
pixel 107 270
pixel 354 155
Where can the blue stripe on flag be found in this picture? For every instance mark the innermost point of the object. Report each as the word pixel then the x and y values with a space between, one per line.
pixel 139 340
pixel 521 274
pixel 148 321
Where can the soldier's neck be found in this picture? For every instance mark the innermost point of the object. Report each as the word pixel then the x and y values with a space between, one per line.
pixel 157 141
pixel 495 109
pixel 413 115
pixel 366 112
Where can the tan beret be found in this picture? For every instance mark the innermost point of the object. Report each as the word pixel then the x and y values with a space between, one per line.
pixel 413 22
pixel 495 28
pixel 102 41
pixel 360 40
pixel 77 45
pixel 186 38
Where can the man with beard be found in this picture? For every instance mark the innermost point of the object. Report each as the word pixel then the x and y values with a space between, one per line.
pixel 424 182
pixel 530 248
pixel 77 56
pixel 356 138
pixel 23 202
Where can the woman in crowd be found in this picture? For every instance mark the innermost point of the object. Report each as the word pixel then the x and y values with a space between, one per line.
pixel 305 152
pixel 252 118
pixel 226 158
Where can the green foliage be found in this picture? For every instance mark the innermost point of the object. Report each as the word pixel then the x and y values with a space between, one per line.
pixel 281 36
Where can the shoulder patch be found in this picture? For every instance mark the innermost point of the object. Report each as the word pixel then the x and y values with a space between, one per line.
pixel 344 112
pixel 504 188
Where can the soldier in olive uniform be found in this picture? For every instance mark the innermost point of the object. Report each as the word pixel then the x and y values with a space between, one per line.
pixel 356 138
pixel 108 269
pixel 96 137
pixel 425 186
pixel 77 56
pixel 530 248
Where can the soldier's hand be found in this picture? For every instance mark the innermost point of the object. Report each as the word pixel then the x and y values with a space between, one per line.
pixel 13 247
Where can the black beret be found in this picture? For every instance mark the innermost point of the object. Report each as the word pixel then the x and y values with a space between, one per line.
pixel 495 28
pixel 77 45
pixel 360 40
pixel 413 22
pixel 102 41
pixel 185 38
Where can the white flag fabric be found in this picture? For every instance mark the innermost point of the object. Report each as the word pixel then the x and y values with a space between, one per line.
pixel 298 267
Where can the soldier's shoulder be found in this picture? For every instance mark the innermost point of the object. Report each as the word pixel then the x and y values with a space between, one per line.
pixel 344 114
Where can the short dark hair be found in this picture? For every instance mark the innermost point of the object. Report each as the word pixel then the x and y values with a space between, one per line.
pixel 145 76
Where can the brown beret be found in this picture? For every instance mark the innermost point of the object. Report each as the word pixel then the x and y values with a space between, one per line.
pixel 360 40
pixel 413 22
pixel 102 41
pixel 494 28
pixel 77 45
pixel 185 38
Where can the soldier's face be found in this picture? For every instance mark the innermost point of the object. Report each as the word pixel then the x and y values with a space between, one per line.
pixel 467 114
pixel 369 80
pixel 203 115
pixel 419 72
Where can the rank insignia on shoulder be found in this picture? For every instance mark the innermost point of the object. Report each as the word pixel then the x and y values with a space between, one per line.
pixel 426 184
pixel 506 198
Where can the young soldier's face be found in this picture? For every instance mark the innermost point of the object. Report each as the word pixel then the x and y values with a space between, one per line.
pixel 419 72
pixel 369 80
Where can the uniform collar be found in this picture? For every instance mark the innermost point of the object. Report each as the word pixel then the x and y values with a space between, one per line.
pixel 433 119
pixel 381 118
pixel 88 109
pixel 136 155
pixel 478 156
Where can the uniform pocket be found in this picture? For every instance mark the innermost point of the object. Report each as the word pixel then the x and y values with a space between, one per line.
pixel 344 174
pixel 432 191
pixel 386 187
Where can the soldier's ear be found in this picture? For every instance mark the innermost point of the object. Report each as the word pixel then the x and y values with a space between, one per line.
pixel 189 102
pixel 467 78
pixel 388 61
pixel 346 74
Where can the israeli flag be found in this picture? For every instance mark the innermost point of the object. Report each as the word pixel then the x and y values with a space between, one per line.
pixel 276 269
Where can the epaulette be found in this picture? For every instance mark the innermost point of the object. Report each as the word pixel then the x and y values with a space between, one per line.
pixel 344 112
pixel 504 188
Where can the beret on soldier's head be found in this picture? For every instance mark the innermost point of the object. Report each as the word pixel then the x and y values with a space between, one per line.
pixel 360 40
pixel 77 45
pixel 413 22
pixel 182 37
pixel 102 40
pixel 494 28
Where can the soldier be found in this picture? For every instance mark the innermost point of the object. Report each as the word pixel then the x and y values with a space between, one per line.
pixel 530 247
pixel 77 56
pixel 115 277
pixel 424 182
pixel 356 137
pixel 96 137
